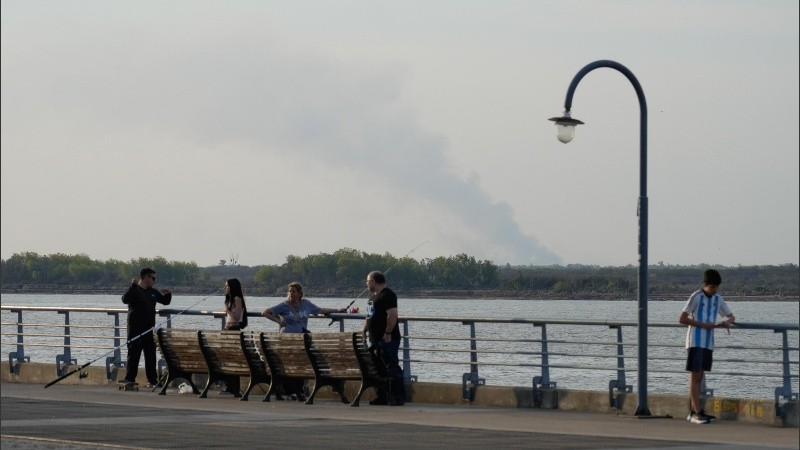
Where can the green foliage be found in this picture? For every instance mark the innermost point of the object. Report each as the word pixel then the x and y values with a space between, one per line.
pixel 344 272
pixel 80 270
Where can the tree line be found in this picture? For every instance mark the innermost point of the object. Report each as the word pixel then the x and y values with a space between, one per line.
pixel 343 273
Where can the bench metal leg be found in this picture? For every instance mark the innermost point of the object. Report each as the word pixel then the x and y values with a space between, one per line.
pixel 247 391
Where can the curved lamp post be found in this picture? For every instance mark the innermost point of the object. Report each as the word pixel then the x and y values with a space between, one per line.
pixel 566 131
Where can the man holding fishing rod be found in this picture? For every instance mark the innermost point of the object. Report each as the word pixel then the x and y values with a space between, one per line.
pixel 384 333
pixel 141 299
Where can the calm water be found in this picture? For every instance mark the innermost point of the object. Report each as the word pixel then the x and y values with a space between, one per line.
pixel 666 344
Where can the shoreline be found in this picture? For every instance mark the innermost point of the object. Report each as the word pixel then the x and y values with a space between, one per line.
pixel 443 294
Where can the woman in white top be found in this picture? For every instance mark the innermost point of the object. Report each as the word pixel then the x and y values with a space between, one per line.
pixel 235 309
pixel 235 319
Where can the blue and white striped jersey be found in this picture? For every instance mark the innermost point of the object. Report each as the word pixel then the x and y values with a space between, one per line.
pixel 704 309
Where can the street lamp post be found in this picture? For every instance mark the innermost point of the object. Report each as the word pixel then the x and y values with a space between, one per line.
pixel 566 129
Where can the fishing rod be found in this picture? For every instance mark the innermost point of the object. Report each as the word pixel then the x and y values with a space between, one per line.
pixel 150 330
pixel 384 272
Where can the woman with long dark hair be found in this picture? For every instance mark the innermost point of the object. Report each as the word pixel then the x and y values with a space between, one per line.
pixel 235 319
pixel 235 308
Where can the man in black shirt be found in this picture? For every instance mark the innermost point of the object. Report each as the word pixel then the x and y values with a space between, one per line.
pixel 141 299
pixel 384 333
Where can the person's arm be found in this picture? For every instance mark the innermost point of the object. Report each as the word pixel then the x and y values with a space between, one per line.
pixel 391 322
pixel 731 319
pixel 130 295
pixel 164 297
pixel 326 311
pixel 727 323
pixel 686 320
pixel 271 316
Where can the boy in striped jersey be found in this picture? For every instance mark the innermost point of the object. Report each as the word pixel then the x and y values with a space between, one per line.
pixel 700 314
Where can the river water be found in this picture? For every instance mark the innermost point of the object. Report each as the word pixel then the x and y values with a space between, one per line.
pixel 666 351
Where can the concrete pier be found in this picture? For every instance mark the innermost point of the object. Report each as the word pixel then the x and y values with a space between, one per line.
pixel 91 413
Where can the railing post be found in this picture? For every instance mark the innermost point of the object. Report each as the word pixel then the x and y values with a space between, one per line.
pixel 114 363
pixel 542 382
pixel 784 394
pixel 406 354
pixel 615 387
pixel 14 358
pixel 471 378
pixel 161 364
pixel 65 359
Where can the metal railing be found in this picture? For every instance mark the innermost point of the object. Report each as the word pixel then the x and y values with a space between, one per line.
pixel 485 346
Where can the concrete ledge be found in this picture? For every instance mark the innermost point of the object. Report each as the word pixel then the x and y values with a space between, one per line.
pixel 755 411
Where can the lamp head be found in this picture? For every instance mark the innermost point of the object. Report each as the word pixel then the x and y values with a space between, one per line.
pixel 565 126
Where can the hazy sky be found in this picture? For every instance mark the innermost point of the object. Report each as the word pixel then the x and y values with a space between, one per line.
pixel 198 130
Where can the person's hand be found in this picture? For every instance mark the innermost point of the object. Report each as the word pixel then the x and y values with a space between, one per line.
pixel 135 280
pixel 166 291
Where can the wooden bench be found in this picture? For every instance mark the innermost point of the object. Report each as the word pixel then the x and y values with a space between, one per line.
pixel 182 353
pixel 286 358
pixel 232 353
pixel 338 357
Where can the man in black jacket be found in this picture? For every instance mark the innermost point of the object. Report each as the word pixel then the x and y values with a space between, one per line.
pixel 141 299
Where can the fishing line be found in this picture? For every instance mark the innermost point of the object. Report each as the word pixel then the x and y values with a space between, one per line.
pixel 150 330
pixel 384 272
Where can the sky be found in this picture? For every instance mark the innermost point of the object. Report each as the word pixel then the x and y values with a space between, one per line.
pixel 248 131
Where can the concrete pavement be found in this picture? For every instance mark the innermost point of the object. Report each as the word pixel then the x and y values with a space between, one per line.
pixel 78 416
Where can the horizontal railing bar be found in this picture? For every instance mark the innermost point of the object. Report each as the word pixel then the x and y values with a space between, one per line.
pixel 72 336
pixel 541 321
pixel 44 345
pixel 56 324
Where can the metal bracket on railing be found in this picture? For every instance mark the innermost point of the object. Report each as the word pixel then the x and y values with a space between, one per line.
pixel 64 360
pixel 17 357
pixel 14 360
pixel 704 391
pixel 468 392
pixel 407 376
pixel 114 363
pixel 160 368
pixel 544 394
pixel 783 394
pixel 782 398
pixel 614 389
pixel 63 363
pixel 112 367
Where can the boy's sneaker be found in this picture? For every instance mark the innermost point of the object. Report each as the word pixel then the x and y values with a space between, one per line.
pixel 697 418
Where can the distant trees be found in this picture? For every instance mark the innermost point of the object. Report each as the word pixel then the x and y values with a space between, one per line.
pixel 69 270
pixel 347 268
pixel 344 271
